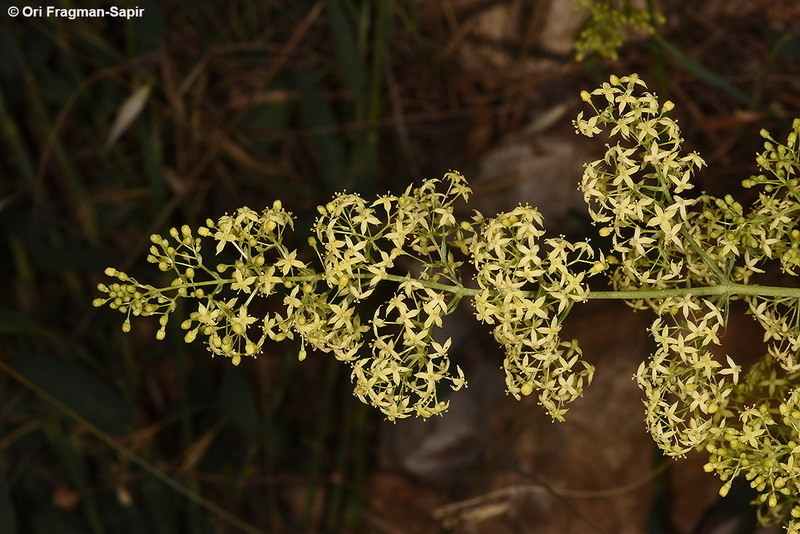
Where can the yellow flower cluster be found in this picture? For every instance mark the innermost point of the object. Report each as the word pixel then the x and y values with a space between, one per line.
pixel 358 244
pixel 609 23
pixel 636 192
pixel 687 258
pixel 528 284
pixel 388 271
pixel 397 360
pixel 684 384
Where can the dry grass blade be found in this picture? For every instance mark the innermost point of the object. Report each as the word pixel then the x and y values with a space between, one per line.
pixel 128 112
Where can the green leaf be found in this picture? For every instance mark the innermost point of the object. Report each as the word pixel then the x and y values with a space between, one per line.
pixel 320 117
pixel 78 388
pixel 236 401
pixel 345 41
pixel 8 517
pixel 699 71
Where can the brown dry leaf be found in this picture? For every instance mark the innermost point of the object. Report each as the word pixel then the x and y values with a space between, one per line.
pixel 65 498
pixel 128 112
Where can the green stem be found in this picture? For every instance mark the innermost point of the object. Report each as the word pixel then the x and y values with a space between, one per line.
pixel 727 290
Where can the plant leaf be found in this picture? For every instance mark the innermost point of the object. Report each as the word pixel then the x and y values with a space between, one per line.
pixel 8 517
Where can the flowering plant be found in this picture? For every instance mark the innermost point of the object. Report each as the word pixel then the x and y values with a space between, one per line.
pixel 610 22
pixel 683 256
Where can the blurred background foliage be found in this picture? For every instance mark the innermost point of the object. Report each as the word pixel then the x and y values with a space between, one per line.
pixel 114 129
